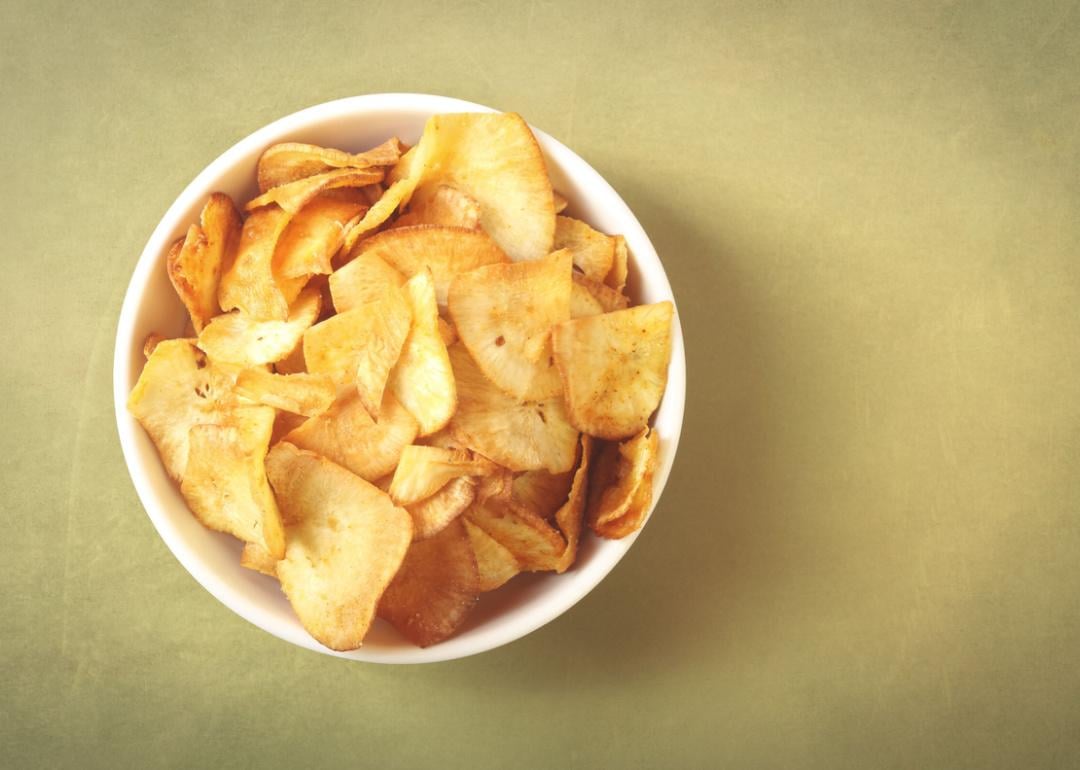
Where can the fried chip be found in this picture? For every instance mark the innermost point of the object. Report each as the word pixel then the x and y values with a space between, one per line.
pixel 521 436
pixel 620 470
pixel 447 332
pixel 570 515
pixel 422 380
pixel 224 482
pixel 284 424
pixel 424 470
pixel 606 297
pixel 366 278
pixel 634 516
pixel 495 160
pixel 536 546
pixel 241 339
pixel 616 279
pixel 151 342
pixel 614 368
pixel 593 252
pixel 248 284
pixel 435 589
pixel 306 394
pixel 195 266
pixel 256 557
pixel 343 546
pixel 432 514
pixel 542 492
pixel 582 303
pixel 290 161
pixel 311 239
pixel 560 201
pixel 446 251
pixel 346 434
pixel 446 206
pixel 294 362
pixel 504 314
pixel 293 196
pixel 494 562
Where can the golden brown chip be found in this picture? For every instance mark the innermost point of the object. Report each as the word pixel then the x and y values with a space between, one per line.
pixel 593 252
pixel 293 196
pixel 634 516
pixel 616 279
pixel 433 513
pixel 343 546
pixel 224 482
pixel 614 368
pixel 238 338
pixel 582 303
pixel 312 237
pixel 494 562
pixel 346 434
pixel 534 543
pixel 195 265
pixel 606 297
pixel 284 424
pixel 560 201
pixel 306 394
pixel 422 380
pixel 571 514
pixel 290 161
pixel 446 206
pixel 504 314
pixel 424 470
pixel 542 492
pixel 446 251
pixel 365 279
pixel 294 362
pixel 257 558
pixel 620 470
pixel 248 284
pixel 447 332
pixel 435 589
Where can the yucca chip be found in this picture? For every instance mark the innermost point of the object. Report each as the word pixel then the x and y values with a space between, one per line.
pixel 284 424
pixel 248 284
pixel 535 544
pixel 504 314
pixel 424 470
pixel 494 562
pixel 294 362
pixel 521 436
pixel 422 380
pixel 542 492
pixel 620 471
pixel 195 266
pixel 445 251
pixel 293 196
pixel 347 434
pixel 306 394
pixel 435 589
pixel 256 557
pixel 224 482
pixel 150 343
pixel 290 161
pixel 311 239
pixel 345 542
pixel 571 513
pixel 634 516
pixel 614 368
pixel 432 514
pixel 244 340
pixel 606 297
pixel 560 201
pixel 447 332
pixel 616 278
pixel 594 252
pixel 446 206
pixel 366 278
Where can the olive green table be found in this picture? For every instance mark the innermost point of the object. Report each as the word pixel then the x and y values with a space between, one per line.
pixel 868 554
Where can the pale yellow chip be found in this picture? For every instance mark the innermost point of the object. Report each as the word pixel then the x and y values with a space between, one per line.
pixel 535 544
pixel 435 589
pixel 293 196
pixel 361 346
pixel 494 562
pixel 195 266
pixel 306 394
pixel 446 206
pixel 424 470
pixel 521 436
pixel 504 314
pixel 495 160
pixel 244 340
pixel 594 252
pixel 560 201
pixel 248 284
pixel 256 557
pixel 290 161
pixel 422 380
pixel 224 482
pixel 614 368
pixel 571 514
pixel 366 278
pixel 582 303
pixel 311 239
pixel 616 279
pixel 445 251
pixel 606 297
pixel 347 434
pixel 345 542
pixel 542 492
pixel 432 514
pixel 620 470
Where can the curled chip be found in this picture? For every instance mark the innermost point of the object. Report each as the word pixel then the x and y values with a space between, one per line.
pixel 621 472
pixel 560 201
pixel 614 368
pixel 367 278
pixel 312 237
pixel 248 284
pixel 616 279
pixel 521 436
pixel 346 434
pixel 424 470
pixel 504 314
pixel 224 482
pixel 494 562
pixel 435 589
pixel 536 546
pixel 344 544
pixel 432 514
pixel 446 251
pixel 290 161
pixel 446 206
pixel 571 514
pixel 606 297
pixel 293 196
pixel 195 263
pixel 238 338
pixel 306 394
pixel 593 252
pixel 256 557
pixel 542 492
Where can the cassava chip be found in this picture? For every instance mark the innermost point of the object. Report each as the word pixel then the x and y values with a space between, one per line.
pixel 571 514
pixel 620 471
pixel 256 557
pixel 593 252
pixel 433 513
pixel 366 278
pixel 241 339
pixel 312 237
pixel 290 161
pixel 606 297
pixel 616 279
pixel 521 436
pixel 293 196
pixel 504 314
pixel 582 303
pixel 542 492
pixel 446 206
pixel 343 546
pixel 494 562
pixel 447 332
pixel 151 342
pixel 248 284
pixel 446 251
pixel 422 380
pixel 195 266
pixel 534 543
pixel 634 516
pixel 614 368
pixel 224 482
pixel 306 394
pixel 424 470
pixel 436 587
pixel 560 201
pixel 347 434
pixel 294 362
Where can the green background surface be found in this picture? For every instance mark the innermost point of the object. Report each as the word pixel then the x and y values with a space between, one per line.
pixel 868 554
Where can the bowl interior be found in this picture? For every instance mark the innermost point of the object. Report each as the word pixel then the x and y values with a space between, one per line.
pixel 528 601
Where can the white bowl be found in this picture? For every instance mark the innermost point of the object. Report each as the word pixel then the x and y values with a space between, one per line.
pixel 213 559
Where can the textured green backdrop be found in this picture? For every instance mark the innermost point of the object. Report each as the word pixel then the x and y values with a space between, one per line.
pixel 869 551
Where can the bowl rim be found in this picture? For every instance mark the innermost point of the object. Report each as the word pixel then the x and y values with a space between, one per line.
pixel 483 638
